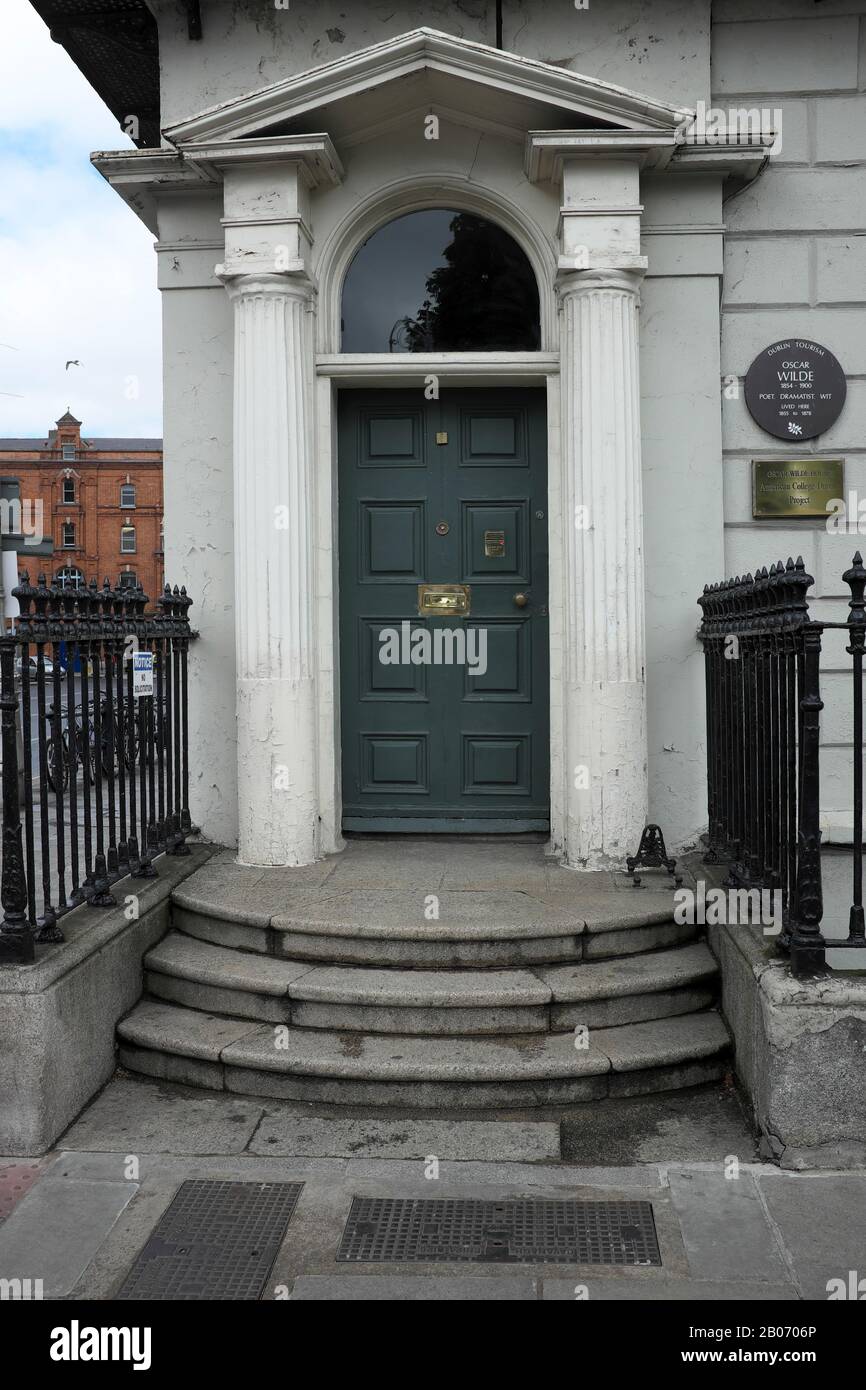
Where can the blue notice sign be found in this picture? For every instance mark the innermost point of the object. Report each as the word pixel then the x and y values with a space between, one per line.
pixel 142 674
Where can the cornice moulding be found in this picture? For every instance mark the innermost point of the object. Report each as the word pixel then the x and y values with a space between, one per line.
pixel 315 153
pixel 547 150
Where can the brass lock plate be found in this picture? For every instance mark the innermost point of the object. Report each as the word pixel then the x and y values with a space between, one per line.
pixel 444 599
pixel 494 544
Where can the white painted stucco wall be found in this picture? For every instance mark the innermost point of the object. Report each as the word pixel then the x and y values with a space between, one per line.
pixel 795 264
pixel 661 48
pixel 197 427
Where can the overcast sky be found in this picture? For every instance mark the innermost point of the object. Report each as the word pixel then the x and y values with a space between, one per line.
pixel 77 268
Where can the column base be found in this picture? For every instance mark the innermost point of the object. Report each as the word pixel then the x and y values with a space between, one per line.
pixel 277 773
pixel 607 800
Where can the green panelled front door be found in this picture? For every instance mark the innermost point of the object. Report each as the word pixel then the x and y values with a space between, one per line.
pixel 437 732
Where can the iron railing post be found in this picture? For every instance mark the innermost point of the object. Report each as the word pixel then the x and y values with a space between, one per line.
pixel 16 938
pixel 806 940
pixel 855 578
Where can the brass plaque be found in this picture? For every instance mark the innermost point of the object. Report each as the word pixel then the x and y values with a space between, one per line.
pixel 442 437
pixel 444 599
pixel 494 544
pixel 795 487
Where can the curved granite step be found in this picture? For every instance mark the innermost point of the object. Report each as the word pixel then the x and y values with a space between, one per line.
pixel 356 1069
pixel 391 927
pixel 199 975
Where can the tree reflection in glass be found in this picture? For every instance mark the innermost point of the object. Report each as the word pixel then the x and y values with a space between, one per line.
pixel 440 281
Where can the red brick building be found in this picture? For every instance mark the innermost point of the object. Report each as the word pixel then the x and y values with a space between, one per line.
pixel 101 504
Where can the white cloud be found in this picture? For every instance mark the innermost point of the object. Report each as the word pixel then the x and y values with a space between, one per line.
pixel 79 270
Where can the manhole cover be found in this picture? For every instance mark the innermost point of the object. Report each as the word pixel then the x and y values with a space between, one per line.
pixel 525 1230
pixel 217 1240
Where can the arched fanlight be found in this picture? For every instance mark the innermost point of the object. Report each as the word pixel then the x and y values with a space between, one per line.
pixel 440 281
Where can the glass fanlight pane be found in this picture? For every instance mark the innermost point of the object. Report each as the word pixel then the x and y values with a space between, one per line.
pixel 440 281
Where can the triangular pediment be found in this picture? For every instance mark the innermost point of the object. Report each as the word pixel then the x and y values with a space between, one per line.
pixel 373 86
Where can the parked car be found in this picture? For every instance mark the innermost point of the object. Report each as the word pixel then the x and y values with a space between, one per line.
pixel 33 664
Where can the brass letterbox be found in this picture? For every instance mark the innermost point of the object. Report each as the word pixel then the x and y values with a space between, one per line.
pixel 444 599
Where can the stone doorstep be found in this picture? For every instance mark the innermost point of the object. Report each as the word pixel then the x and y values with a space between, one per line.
pixel 343 898
pixel 189 959
pixel 165 1029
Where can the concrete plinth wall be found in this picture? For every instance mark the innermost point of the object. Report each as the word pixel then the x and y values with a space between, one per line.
pixel 58 1016
pixel 800 1052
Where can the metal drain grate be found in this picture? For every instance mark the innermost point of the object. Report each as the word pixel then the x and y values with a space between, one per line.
pixel 217 1240
pixel 525 1230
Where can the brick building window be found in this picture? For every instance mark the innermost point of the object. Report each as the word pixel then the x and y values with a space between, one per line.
pixel 127 495
pixel 68 533
pixel 128 579
pixel 69 578
pixel 127 540
pixel 68 451
pixel 69 489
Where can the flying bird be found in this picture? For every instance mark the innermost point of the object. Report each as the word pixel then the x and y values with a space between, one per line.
pixel 73 362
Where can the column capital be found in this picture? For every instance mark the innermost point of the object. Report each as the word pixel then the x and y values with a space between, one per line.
pixel 624 280
pixel 294 283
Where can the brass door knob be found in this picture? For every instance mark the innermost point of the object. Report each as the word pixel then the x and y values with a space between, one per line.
pixel 521 600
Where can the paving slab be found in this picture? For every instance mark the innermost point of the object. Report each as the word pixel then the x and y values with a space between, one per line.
pixel 606 911
pixel 55 1232
pixel 694 1126
pixel 132 1116
pixel 725 1231
pixel 538 1178
pixel 385 912
pixel 821 1222
pixel 646 1290
pixel 295 1136
pixel 16 1180
pixel 510 1288
pixel 492 878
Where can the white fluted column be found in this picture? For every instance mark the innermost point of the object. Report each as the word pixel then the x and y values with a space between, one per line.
pixel 273 482
pixel 604 580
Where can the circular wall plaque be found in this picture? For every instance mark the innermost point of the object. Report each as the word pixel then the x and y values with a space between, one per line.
pixel 795 389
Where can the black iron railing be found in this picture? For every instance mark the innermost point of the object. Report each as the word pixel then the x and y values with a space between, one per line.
pixel 762 653
pixel 93 696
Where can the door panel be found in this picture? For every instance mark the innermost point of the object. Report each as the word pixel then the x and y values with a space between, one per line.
pixel 454 492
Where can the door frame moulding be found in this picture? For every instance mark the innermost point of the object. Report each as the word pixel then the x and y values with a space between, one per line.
pixel 407 371
pixel 335 371
pixel 450 368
